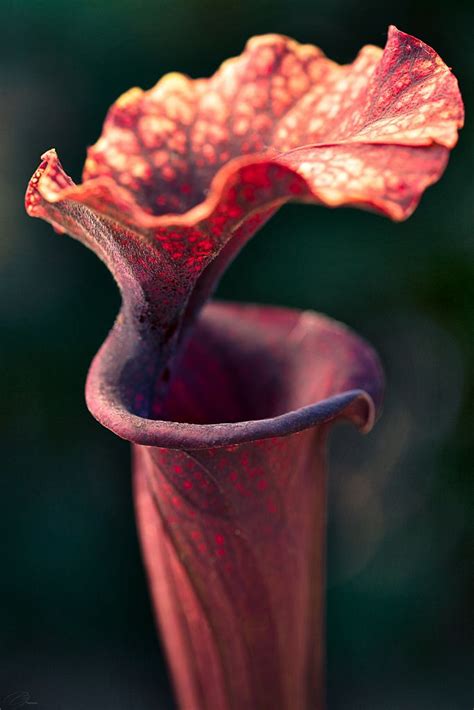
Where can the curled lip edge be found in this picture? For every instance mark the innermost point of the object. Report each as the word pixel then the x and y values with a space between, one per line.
pixel 104 402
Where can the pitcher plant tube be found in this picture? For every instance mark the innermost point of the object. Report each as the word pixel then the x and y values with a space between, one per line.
pixel 228 407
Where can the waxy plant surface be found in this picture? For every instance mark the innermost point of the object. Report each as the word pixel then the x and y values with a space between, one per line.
pixel 228 406
pixel 186 172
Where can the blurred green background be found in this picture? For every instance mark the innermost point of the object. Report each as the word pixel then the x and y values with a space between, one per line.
pixel 76 629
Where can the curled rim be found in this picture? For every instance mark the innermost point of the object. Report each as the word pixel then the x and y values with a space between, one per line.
pixel 357 394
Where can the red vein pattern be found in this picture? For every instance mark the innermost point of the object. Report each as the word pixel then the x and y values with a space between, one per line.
pixel 184 173
pixel 232 516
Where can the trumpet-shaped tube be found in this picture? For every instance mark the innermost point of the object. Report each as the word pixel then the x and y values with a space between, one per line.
pixel 232 516
pixel 228 407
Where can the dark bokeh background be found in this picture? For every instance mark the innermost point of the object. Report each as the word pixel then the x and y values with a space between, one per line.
pixel 75 622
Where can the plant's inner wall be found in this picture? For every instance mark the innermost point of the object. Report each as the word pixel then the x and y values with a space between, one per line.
pixel 244 363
